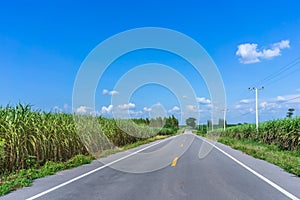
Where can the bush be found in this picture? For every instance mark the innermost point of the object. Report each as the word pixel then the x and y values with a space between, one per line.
pixel 284 133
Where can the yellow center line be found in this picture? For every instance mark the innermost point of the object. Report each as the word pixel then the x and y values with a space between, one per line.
pixel 174 162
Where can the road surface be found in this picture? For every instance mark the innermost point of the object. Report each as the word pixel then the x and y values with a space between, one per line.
pixel 168 169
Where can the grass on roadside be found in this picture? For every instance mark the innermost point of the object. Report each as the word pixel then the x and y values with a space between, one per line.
pixel 24 178
pixel 210 135
pixel 135 144
pixel 288 160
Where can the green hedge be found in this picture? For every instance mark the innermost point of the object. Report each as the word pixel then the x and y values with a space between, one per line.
pixel 284 132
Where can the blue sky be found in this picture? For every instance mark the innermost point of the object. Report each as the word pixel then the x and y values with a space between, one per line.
pixel 42 45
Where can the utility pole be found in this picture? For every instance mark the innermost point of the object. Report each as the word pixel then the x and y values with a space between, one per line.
pixel 224 125
pixel 256 103
pixel 212 124
pixel 212 119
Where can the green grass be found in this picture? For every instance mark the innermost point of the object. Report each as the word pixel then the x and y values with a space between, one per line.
pixel 108 152
pixel 199 133
pixel 34 143
pixel 135 144
pixel 24 177
pixel 288 160
pixel 31 137
pixel 276 141
pixel 282 132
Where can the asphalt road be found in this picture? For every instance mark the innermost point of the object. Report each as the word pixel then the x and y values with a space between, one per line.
pixel 168 169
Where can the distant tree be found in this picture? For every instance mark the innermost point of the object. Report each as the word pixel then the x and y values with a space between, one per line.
pixel 202 129
pixel 170 122
pixel 174 121
pixel 290 112
pixel 147 121
pixel 191 122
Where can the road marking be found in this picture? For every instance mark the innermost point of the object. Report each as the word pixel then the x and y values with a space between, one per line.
pixel 181 145
pixel 280 189
pixel 95 170
pixel 174 162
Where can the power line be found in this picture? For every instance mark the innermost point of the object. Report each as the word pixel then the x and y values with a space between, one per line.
pixel 280 71
pixel 285 101
pixel 267 80
pixel 298 97
pixel 286 75
pixel 247 113
pixel 272 78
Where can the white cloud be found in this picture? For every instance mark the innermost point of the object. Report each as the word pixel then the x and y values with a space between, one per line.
pixel 282 44
pixel 126 106
pixel 136 113
pixel 184 96
pixel 111 93
pixel 249 53
pixel 174 109
pixel 57 109
pixel 291 98
pixel 94 112
pixel 82 109
pixel 105 91
pixel 191 107
pixel 269 108
pixel 244 106
pixel 251 110
pixel 203 100
pixel 246 101
pixel 270 53
pixel 238 106
pixel 147 109
pixel 66 107
pixel 107 109
pixel 280 98
pixel 210 106
pixel 87 110
pixel 269 105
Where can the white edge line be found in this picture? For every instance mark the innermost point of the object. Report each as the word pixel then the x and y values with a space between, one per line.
pixel 95 170
pixel 283 191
